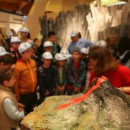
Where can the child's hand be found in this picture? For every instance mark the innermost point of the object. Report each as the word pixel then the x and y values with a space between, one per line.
pixel 20 107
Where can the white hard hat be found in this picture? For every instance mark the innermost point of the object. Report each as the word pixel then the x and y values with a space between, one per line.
pixel 47 44
pixel 24 29
pixel 65 53
pixel 74 33
pixel 60 57
pixel 56 56
pixel 24 46
pixel 31 43
pixel 85 50
pixel 3 51
pixel 47 55
pixel 15 39
pixel 101 43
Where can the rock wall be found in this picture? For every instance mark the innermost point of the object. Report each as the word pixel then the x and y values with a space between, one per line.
pixel 65 23
pixel 94 23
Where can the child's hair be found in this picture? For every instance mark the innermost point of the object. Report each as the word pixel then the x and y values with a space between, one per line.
pixel 7 59
pixel 6 74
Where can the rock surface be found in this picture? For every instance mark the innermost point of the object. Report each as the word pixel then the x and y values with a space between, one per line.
pixel 106 108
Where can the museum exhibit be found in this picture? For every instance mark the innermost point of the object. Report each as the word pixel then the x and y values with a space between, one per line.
pixel 65 64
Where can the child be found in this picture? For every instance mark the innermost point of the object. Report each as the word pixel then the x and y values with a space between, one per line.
pixel 24 33
pixel 46 77
pixel 26 78
pixel 11 111
pixel 62 74
pixel 3 51
pixel 15 42
pixel 76 73
pixel 84 55
pixel 65 53
pixel 48 46
pixel 6 60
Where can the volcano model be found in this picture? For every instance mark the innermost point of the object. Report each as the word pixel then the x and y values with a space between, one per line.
pixel 102 107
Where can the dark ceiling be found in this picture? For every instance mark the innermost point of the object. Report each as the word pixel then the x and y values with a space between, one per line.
pixel 19 7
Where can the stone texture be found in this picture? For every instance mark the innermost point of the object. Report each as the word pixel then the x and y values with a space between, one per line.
pixel 106 108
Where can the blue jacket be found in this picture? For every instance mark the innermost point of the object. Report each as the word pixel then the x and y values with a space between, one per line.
pixel 81 73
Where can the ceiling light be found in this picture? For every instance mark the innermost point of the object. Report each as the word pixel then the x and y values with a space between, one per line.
pixel 113 2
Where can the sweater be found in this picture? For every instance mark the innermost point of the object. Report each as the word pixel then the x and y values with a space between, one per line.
pixel 118 78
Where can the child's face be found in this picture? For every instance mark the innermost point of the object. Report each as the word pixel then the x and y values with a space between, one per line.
pixel 10 83
pixel 23 34
pixel 47 62
pixel 32 51
pixel 49 48
pixel 27 54
pixel 76 55
pixel 15 46
pixel 61 63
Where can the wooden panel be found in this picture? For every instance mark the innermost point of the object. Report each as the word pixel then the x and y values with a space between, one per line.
pixel 9 6
pixel 33 18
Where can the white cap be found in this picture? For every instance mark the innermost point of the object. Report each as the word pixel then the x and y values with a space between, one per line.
pixel 31 43
pixel 24 46
pixel 101 43
pixel 15 39
pixel 65 53
pixel 59 57
pixel 24 29
pixel 56 56
pixel 3 51
pixel 47 55
pixel 85 50
pixel 74 33
pixel 47 44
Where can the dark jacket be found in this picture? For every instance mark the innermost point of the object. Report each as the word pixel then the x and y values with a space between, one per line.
pixel 81 72
pixel 47 78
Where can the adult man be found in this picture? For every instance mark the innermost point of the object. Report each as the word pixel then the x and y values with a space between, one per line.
pixel 78 42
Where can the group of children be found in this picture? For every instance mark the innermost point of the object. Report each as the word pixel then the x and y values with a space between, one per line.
pixel 32 77
pixel 58 74
pixel 63 74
